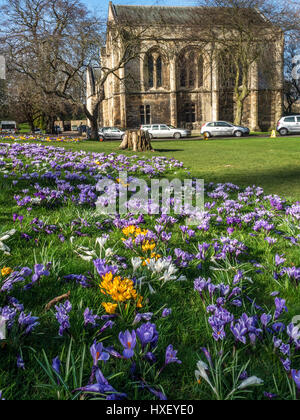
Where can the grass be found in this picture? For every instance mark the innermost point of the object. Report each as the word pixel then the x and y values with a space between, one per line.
pixel 272 164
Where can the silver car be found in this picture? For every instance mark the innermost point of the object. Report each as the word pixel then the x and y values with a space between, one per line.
pixel 223 128
pixel 111 133
pixel 289 125
pixel 160 131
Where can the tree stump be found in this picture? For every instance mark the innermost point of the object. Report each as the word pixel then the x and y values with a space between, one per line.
pixel 136 140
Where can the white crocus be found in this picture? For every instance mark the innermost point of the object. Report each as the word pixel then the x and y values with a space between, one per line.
pixel 252 381
pixel 201 373
pixel 4 237
pixel 151 290
pixel 109 253
pixel 102 240
pixel 136 263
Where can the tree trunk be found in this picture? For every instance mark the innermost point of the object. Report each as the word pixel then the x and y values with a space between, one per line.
pixel 136 140
pixel 32 127
pixel 94 132
pixel 239 112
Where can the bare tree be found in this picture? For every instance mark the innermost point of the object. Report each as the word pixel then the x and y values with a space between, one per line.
pixel 247 32
pixel 292 73
pixel 56 42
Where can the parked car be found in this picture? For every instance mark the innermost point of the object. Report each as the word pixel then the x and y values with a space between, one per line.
pixel 289 125
pixel 37 131
pixel 111 133
pixel 223 128
pixel 8 127
pixel 160 131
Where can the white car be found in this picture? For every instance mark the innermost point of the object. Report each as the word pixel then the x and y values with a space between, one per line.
pixel 289 125
pixel 223 128
pixel 160 131
pixel 111 133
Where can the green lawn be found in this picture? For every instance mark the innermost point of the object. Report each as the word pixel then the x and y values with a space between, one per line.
pixel 273 164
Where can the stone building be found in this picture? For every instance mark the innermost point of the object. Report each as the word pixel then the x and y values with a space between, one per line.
pixel 176 79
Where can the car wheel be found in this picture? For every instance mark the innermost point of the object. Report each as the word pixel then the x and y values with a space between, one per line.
pixel 238 134
pixel 177 136
pixel 207 135
pixel 283 132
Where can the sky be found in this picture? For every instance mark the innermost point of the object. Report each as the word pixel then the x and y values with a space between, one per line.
pixel 101 6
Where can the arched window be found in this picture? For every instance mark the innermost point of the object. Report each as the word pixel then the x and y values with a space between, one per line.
pixel 150 71
pixel 145 114
pixel 183 72
pixel 200 72
pixel 190 70
pixel 154 70
pixel 159 72
pixel 189 113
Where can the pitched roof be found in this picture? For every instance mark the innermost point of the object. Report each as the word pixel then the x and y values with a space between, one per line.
pixel 143 15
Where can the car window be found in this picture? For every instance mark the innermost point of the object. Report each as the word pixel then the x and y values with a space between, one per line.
pixel 155 127
pixel 164 127
pixel 211 125
pixel 298 119
pixel 115 130
pixel 222 124
pixel 289 119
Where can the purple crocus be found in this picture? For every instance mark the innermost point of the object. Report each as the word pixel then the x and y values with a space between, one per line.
pixel 139 317
pixel 62 316
pixel 280 307
pixel 56 364
pixel 296 378
pixel 108 324
pixel 97 353
pixel 160 395
pixel 89 318
pixel 265 319
pixel 147 334
pixel 20 362
pixel 102 386
pixel 28 322
pixel 171 356
pixel 166 312
pixel 128 341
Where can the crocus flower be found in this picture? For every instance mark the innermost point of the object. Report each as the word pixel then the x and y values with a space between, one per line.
pixel 171 356
pixel 98 353
pixel 252 381
pixel 128 341
pixel 147 333
pixel 265 319
pixel 102 386
pixel 166 312
pixel 270 396
pixel 279 260
pixel 20 362
pixel 280 307
pixel 160 395
pixel 108 324
pixel 296 378
pixel 56 365
pixel 89 318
